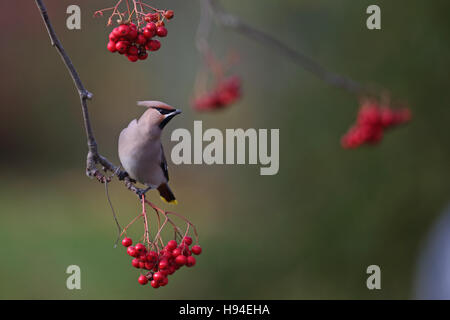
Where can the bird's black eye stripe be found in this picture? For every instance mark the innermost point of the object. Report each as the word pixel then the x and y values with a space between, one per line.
pixel 162 111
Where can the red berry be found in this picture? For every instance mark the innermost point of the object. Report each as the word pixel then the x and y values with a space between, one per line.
pixel 126 242
pixel 171 270
pixel 123 30
pixel 369 114
pixel 151 256
pixel 164 272
pixel 190 261
pixel 151 17
pixel 141 39
pixel 167 255
pixel 133 58
pixel 187 240
pixel 161 31
pixel 158 276
pixel 142 255
pixel 168 14
pixel 180 260
pixel 154 284
pixel 148 265
pixel 116 32
pixel 139 246
pixel 111 46
pixel 148 33
pixel 153 45
pixel 176 253
pixel 152 27
pixel 376 135
pixel 135 263
pixel 160 23
pixel 154 16
pixel 163 264
pixel 172 244
pixel 132 251
pixel 196 249
pixel 364 132
pixel 387 117
pixel 143 55
pixel 122 46
pixel 133 51
pixel 142 279
pixel 132 35
pixel 164 282
pixel 226 92
pixel 113 37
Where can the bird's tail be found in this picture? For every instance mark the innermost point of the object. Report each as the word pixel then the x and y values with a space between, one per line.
pixel 167 194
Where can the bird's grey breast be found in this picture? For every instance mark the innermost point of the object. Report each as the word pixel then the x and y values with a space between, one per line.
pixel 141 156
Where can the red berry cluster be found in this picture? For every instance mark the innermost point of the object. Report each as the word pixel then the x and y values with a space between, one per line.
pixel 163 263
pixel 226 93
pixel 134 42
pixel 371 122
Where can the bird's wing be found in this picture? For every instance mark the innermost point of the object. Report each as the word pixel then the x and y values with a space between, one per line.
pixel 164 164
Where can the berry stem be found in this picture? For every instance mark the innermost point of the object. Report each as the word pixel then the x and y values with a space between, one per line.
pixel 124 231
pixel 158 243
pixel 167 213
pixel 128 8
pixel 153 8
pixel 144 214
pixel 164 213
pixel 135 10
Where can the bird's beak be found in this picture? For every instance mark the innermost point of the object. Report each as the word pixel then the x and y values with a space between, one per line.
pixel 168 117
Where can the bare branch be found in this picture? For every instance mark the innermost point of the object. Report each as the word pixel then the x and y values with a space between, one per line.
pixel 231 21
pixel 93 157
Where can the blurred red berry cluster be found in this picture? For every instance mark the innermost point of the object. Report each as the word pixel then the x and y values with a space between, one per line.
pixel 134 42
pixel 224 94
pixel 160 264
pixel 371 122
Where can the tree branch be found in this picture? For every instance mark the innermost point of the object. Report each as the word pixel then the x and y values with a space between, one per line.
pixel 93 157
pixel 233 22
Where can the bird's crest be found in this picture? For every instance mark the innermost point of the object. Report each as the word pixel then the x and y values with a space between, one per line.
pixel 154 103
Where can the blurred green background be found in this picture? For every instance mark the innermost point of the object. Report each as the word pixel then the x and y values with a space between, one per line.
pixel 308 232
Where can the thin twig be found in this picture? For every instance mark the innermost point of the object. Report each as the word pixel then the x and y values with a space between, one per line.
pixel 229 20
pixel 119 228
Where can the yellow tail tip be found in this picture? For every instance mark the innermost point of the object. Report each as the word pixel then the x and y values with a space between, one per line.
pixel 174 202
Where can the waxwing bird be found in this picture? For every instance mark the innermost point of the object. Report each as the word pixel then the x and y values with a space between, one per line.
pixel 140 149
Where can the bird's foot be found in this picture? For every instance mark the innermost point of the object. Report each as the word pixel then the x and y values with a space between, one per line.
pixel 122 175
pixel 142 192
